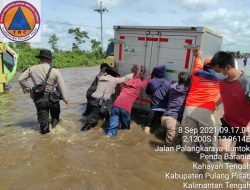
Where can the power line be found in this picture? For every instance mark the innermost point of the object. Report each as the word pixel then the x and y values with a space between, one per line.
pixel 101 11
pixel 71 24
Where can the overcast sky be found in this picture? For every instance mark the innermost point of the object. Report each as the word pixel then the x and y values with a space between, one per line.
pixel 229 18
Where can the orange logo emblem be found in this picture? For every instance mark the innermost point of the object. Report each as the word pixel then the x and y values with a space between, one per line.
pixel 19 21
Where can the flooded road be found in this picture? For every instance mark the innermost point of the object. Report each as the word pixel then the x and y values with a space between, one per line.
pixel 69 159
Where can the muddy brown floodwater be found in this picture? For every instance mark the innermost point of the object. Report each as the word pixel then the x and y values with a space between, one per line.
pixel 69 159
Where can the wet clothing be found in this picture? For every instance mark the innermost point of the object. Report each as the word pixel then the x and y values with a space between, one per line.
pixel 123 104
pixel 45 104
pixel 89 93
pixel 203 122
pixel 107 84
pixel 44 108
pixel 105 88
pixel 152 117
pixel 129 92
pixel 174 111
pixel 158 88
pixel 198 114
pixel 117 115
pixel 92 118
pixel 203 92
pixel 172 129
pixel 93 88
pixel 235 102
pixel 176 100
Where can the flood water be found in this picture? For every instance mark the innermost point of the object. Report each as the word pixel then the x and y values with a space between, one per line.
pixel 72 160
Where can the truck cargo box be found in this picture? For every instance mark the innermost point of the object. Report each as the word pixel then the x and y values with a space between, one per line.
pixel 154 45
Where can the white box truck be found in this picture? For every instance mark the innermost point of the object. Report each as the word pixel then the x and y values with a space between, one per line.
pixel 149 46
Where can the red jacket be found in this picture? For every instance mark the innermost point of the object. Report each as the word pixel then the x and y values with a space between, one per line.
pixel 130 91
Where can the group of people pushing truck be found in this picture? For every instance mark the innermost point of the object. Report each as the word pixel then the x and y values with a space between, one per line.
pixel 188 107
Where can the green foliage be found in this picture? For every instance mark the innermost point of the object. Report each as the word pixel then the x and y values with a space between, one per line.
pixel 19 45
pixel 95 45
pixel 76 58
pixel 80 37
pixel 61 59
pixel 26 54
pixel 53 42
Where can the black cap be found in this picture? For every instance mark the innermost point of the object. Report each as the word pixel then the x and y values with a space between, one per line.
pixel 45 53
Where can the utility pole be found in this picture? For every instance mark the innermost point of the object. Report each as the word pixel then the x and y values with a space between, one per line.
pixel 101 11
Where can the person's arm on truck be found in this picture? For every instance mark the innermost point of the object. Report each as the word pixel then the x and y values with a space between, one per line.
pixel 120 80
pixel 197 61
pixel 133 73
pixel 139 75
pixel 145 82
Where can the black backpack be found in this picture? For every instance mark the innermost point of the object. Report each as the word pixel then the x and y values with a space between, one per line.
pixel 39 89
pixel 92 88
pixel 94 84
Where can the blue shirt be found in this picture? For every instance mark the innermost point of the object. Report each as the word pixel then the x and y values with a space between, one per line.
pixel 158 88
pixel 176 100
pixel 208 74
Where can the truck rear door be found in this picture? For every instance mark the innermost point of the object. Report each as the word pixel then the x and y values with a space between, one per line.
pixel 150 49
pixel 170 50
pixel 175 52
pixel 130 49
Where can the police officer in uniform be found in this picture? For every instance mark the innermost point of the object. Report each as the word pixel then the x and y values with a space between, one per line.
pixel 47 102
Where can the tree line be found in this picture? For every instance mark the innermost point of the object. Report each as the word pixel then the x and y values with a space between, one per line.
pixel 70 58
pixel 238 54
